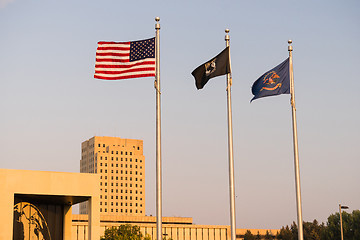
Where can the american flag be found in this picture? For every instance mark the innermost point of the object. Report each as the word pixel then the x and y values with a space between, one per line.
pixel 122 60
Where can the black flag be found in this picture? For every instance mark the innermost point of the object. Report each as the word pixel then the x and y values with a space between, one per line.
pixel 216 66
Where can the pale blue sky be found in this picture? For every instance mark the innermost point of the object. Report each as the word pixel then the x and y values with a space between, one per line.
pixel 50 101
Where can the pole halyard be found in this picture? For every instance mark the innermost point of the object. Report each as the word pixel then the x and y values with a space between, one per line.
pixel 296 151
pixel 158 135
pixel 230 146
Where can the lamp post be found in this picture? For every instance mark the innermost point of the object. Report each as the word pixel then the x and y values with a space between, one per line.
pixel 341 227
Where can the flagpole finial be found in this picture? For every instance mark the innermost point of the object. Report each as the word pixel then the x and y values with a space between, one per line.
pixel 227 37
pixel 290 47
pixel 157 24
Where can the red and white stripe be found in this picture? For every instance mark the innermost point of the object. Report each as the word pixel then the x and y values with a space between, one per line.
pixel 112 62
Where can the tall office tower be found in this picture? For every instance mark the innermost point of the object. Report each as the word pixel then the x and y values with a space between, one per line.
pixel 121 166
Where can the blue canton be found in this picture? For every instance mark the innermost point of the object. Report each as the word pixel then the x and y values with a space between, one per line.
pixel 142 49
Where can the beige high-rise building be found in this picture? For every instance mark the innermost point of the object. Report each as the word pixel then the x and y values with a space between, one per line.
pixel 121 166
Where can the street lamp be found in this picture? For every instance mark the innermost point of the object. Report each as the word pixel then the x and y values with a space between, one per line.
pixel 341 227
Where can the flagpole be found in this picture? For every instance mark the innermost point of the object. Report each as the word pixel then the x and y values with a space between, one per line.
pixel 296 152
pixel 230 145
pixel 158 135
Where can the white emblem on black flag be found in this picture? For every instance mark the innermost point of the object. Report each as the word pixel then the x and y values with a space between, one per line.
pixel 210 67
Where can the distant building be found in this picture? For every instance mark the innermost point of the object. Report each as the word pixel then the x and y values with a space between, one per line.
pixel 175 228
pixel 120 164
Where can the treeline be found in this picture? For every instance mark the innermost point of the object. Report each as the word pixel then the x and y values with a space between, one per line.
pixel 315 231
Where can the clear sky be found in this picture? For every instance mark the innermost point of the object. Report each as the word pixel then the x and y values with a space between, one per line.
pixel 50 102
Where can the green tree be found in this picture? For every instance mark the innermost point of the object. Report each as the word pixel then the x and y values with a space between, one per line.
pixel 268 235
pixel 351 226
pixel 124 232
pixel 329 231
pixel 284 234
pixel 356 224
pixel 258 237
pixel 249 236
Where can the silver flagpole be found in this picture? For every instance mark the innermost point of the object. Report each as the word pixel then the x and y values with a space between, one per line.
pixel 158 135
pixel 230 143
pixel 296 152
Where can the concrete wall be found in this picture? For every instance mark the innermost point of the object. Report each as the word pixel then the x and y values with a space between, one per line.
pixel 66 188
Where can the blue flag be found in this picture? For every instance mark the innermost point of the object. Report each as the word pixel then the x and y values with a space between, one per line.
pixel 273 82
